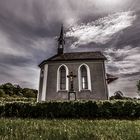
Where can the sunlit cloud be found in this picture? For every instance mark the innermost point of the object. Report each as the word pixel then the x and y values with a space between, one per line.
pixel 124 63
pixel 102 30
pixel 111 3
pixel 125 60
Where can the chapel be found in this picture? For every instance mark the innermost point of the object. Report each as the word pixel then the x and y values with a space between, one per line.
pixel 75 75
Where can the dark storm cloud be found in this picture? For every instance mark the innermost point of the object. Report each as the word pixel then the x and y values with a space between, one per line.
pixel 12 60
pixel 23 32
pixel 136 75
pixel 28 31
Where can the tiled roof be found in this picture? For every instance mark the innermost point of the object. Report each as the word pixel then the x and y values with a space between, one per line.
pixel 76 56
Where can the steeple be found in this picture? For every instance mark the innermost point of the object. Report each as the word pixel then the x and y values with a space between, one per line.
pixel 61 41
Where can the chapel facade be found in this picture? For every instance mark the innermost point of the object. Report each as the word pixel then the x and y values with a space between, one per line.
pixel 81 73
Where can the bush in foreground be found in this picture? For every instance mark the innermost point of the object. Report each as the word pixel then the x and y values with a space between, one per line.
pixel 79 109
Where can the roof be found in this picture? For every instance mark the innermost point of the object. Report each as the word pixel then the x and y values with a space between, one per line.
pixel 111 78
pixel 75 56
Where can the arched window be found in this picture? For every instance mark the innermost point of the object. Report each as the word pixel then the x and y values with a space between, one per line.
pixel 62 80
pixel 84 77
pixel 84 80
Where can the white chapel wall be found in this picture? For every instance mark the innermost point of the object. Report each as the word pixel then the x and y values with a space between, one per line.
pixel 43 97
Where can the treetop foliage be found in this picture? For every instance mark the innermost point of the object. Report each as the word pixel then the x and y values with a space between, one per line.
pixel 10 90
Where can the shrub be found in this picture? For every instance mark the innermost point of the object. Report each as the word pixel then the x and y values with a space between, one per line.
pixel 2 93
pixel 71 109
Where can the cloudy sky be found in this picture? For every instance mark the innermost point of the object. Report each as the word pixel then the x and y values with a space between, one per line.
pixel 29 30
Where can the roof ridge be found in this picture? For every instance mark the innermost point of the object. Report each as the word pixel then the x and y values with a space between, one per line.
pixel 72 56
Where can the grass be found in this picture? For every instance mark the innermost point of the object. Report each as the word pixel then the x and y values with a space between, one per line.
pixel 31 129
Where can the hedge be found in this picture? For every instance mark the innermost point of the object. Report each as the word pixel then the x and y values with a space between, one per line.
pixel 72 109
pixel 11 99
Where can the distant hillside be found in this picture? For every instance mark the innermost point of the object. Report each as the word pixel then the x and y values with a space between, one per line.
pixel 10 90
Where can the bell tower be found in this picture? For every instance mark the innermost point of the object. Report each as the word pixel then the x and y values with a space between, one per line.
pixel 61 41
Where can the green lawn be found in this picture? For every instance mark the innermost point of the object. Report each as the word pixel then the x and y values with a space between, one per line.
pixel 31 129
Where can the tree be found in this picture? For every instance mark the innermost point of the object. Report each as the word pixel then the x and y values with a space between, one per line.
pixel 117 95
pixel 2 93
pixel 29 93
pixel 8 88
pixel 138 86
pixel 18 90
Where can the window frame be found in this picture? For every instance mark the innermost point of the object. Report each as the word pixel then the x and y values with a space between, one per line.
pixel 84 78
pixel 59 78
pixel 62 78
pixel 88 77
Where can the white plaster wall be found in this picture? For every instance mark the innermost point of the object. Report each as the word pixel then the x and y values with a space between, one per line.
pixel 43 98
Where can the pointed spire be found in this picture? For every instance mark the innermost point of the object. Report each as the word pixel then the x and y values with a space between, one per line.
pixel 62 31
pixel 61 41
